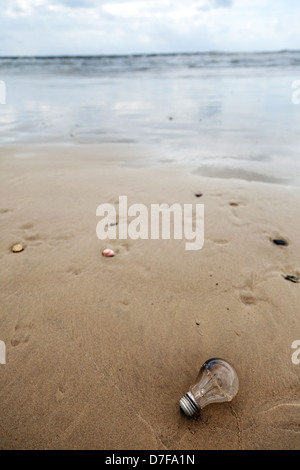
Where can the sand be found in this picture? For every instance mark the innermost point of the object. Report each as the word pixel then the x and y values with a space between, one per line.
pixel 100 350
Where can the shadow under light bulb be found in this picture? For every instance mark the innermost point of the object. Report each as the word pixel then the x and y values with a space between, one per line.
pixel 217 382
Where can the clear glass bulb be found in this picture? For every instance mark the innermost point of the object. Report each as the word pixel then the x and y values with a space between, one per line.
pixel 217 382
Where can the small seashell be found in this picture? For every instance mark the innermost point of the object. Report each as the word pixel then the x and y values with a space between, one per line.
pixel 17 248
pixel 108 253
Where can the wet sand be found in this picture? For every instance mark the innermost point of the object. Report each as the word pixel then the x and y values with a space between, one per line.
pixel 100 350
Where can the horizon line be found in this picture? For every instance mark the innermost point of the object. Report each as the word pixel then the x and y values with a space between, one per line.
pixel 141 54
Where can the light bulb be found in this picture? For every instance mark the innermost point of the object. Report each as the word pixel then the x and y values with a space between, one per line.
pixel 217 382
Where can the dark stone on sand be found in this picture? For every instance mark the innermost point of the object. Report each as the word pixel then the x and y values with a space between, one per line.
pixel 291 278
pixel 280 242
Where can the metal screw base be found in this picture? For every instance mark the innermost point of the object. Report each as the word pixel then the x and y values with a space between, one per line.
pixel 189 405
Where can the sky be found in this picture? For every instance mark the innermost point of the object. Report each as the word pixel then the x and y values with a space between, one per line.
pixel 83 27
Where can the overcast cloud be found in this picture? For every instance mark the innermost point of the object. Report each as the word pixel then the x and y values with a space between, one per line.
pixel 50 27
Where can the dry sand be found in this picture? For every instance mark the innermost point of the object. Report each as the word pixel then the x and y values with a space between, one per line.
pixel 99 351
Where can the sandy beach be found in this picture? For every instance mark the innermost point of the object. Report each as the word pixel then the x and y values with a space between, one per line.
pixel 100 350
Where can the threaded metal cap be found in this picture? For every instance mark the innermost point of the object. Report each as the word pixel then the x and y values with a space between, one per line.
pixel 189 405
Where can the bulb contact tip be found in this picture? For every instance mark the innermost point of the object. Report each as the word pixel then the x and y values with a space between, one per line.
pixel 188 405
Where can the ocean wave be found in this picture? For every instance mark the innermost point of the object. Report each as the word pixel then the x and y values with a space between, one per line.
pixel 141 63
